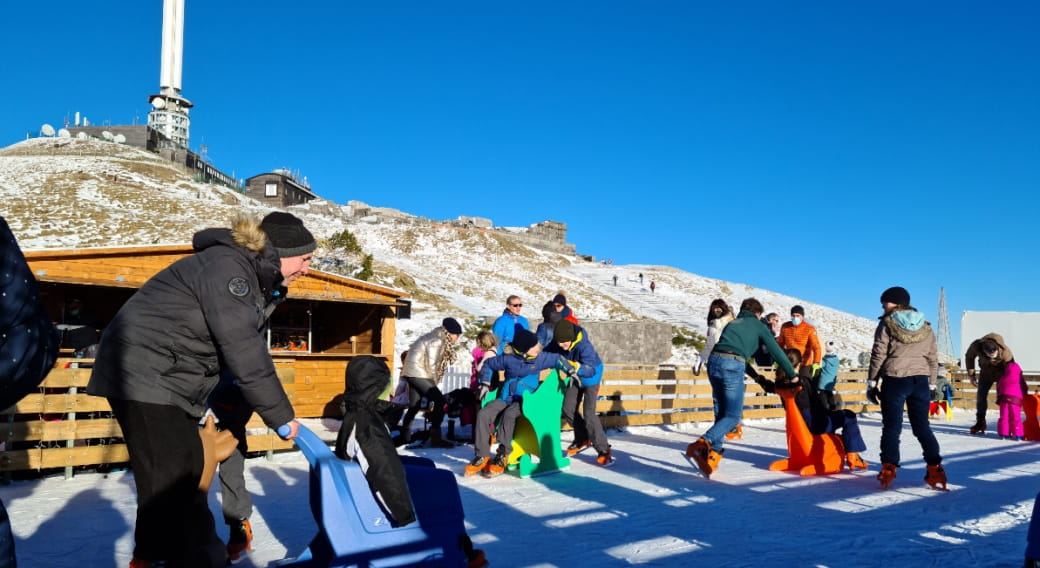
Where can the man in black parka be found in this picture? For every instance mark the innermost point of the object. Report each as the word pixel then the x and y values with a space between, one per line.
pixel 162 355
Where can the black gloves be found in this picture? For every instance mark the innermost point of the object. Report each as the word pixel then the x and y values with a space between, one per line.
pixel 873 391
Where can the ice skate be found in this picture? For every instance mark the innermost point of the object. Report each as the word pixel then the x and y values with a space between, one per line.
pixel 887 475
pixel 935 477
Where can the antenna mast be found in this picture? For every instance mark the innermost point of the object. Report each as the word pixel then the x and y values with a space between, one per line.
pixel 944 341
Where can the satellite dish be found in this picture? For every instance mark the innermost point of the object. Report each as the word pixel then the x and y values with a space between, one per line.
pixel 107 135
pixel 47 130
pixel 159 102
pixel 119 139
pixel 64 133
pixel 81 136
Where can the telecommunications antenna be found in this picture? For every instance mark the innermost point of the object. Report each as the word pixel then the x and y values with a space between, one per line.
pixel 119 139
pixel 107 135
pixel 64 133
pixel 47 130
pixel 81 136
pixel 158 103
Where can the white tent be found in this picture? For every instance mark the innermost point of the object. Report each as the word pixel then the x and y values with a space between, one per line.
pixel 1021 332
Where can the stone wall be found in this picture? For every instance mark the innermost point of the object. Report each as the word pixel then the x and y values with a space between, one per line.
pixel 633 343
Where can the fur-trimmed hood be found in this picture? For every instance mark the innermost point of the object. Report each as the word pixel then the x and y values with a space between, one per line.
pixel 245 232
pixel 907 325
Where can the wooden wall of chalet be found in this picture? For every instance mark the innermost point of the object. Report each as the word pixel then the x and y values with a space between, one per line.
pixel 347 317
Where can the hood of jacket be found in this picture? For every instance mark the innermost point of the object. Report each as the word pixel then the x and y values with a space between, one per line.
pixel 245 232
pixel 368 378
pixel 907 325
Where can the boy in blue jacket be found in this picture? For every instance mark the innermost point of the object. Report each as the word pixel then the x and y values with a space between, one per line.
pixel 520 365
pixel 571 342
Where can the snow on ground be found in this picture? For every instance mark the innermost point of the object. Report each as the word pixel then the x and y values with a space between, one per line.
pixel 651 508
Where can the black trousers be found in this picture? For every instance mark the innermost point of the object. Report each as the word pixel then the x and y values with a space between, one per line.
pixel 173 518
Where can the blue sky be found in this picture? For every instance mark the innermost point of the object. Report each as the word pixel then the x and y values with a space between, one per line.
pixel 820 149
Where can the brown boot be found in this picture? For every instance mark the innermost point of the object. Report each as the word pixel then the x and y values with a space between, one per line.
pixel 935 477
pixel 855 462
pixel 887 475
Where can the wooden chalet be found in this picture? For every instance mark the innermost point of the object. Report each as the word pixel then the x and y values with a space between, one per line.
pixel 325 321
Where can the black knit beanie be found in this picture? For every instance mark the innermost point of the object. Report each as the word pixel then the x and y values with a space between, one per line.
pixel 564 332
pixel 897 295
pixel 451 325
pixel 523 340
pixel 287 234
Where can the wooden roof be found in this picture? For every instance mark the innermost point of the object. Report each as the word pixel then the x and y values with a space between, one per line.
pixel 131 267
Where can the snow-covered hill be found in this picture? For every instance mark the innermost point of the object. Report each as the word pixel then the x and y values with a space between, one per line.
pixel 67 193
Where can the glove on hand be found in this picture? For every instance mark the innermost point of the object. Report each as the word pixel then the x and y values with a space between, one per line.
pixel 873 391
pixel 482 390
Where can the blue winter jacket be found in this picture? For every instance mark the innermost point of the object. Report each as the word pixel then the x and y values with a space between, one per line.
pixel 505 326
pixel 590 369
pixel 521 373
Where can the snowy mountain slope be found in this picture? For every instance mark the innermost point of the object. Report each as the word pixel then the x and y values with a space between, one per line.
pixel 62 193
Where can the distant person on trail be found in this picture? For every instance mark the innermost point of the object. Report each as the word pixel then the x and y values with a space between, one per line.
pixel 903 366
pixel 993 355
pixel 506 323
pixel 801 335
pixel 615 279
pixel 162 356
pixel 28 346
pixel 640 278
pixel 762 357
pixel 727 364
pixel 653 286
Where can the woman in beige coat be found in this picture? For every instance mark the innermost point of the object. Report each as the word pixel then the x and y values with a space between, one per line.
pixel 903 366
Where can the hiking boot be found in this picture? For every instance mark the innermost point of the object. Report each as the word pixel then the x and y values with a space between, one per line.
pixel 605 459
pixel 240 541
pixel 887 475
pixel 496 466
pixel 936 476
pixel 576 447
pixel 476 466
pixel 855 462
pixel 706 458
pixel 736 433
pixel 979 428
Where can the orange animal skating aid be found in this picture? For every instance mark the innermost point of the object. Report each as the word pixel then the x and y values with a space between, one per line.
pixel 809 454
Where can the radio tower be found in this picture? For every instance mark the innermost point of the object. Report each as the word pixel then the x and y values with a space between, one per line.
pixel 169 113
pixel 945 343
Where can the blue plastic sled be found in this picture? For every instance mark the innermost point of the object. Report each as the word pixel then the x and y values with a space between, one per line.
pixel 353 531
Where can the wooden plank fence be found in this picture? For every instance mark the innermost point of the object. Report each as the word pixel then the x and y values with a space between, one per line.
pixel 63 427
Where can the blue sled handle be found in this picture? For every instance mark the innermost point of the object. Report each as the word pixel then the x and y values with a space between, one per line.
pixel 284 430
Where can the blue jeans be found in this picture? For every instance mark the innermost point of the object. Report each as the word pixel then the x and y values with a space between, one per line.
pixel 916 394
pixel 726 376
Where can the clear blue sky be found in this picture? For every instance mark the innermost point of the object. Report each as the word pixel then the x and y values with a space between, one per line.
pixel 825 150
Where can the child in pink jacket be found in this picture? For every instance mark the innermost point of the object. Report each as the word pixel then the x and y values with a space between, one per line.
pixel 1010 390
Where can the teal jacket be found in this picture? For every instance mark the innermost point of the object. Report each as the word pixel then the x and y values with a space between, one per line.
pixel 744 335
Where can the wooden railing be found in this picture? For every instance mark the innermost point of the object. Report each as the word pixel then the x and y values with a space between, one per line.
pixel 63 427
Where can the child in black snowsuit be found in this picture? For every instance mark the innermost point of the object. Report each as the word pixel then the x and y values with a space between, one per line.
pixel 818 417
pixel 365 438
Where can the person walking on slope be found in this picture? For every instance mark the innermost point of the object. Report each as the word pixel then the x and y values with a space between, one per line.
pixel 903 366
pixel 993 356
pixel 428 358
pixel 801 335
pixel 571 342
pixel 506 324
pixel 740 339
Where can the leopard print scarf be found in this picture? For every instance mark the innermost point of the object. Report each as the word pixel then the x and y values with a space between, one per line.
pixel 447 357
